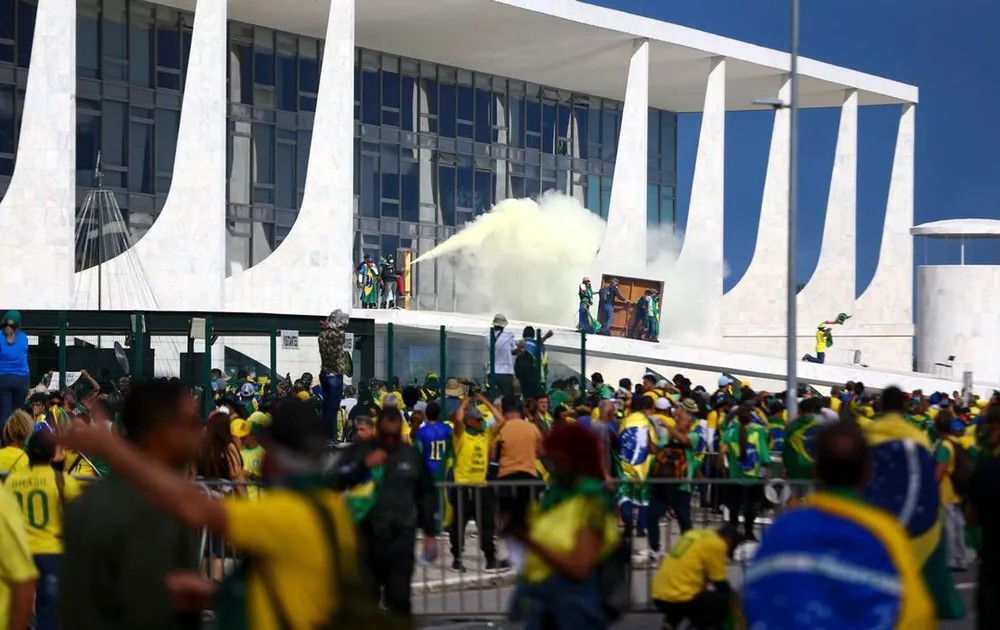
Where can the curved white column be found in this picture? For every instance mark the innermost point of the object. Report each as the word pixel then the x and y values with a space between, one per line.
pixel 323 234
pixel 757 303
pixel 624 248
pixel 882 327
pixel 830 290
pixel 179 263
pixel 38 212
pixel 702 248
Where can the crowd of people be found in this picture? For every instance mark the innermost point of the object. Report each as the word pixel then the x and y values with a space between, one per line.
pixel 332 492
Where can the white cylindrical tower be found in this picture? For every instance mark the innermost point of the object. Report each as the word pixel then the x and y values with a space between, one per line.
pixel 958 314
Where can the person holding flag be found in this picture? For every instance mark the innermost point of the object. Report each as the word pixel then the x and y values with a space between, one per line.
pixel 824 338
pixel 368 283
pixel 836 562
pixel 903 482
pixel 585 321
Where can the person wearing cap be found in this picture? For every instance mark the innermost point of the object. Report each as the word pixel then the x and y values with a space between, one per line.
pixel 429 390
pixel 454 392
pixel 471 442
pixel 335 363
pixel 303 588
pixel 837 543
pixel 251 452
pixel 680 585
pixel 675 461
pixel 400 500
pixel 503 346
pixel 609 297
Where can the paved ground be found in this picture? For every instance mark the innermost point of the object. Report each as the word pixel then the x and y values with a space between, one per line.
pixel 447 600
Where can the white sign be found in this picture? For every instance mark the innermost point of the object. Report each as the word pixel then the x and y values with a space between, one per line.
pixel 349 343
pixel 71 377
pixel 290 339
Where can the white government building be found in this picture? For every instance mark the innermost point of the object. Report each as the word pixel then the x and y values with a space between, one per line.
pixel 251 176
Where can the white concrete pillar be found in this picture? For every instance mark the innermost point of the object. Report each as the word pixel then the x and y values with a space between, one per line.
pixel 701 254
pixel 624 248
pixel 323 234
pixel 758 301
pixel 889 297
pixel 830 290
pixel 38 212
pixel 180 262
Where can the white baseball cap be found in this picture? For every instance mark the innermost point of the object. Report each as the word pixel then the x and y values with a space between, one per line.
pixel 662 403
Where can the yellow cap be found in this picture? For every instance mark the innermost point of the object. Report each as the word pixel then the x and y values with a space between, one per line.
pixel 303 395
pixel 239 428
pixel 259 417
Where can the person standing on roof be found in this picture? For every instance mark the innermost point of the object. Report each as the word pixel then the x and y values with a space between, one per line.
pixel 585 322
pixel 607 298
pixel 335 362
pixel 503 347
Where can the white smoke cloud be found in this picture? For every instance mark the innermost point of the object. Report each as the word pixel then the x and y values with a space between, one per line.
pixel 525 259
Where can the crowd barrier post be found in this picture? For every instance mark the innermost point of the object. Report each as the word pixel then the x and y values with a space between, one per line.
pixel 207 375
pixel 139 344
pixel 273 338
pixel 62 350
pixel 491 388
pixel 390 342
pixel 443 365
pixel 583 357
pixel 538 358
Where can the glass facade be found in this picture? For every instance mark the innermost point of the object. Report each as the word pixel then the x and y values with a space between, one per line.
pixel 131 62
pixel 434 145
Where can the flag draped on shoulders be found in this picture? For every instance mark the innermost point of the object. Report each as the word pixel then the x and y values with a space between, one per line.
pixel 634 442
pixel 835 549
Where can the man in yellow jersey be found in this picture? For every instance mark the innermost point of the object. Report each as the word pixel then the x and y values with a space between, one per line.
pixel 42 492
pixel 304 588
pixel 837 543
pixel 17 570
pixel 252 454
pixel 680 586
pixel 471 499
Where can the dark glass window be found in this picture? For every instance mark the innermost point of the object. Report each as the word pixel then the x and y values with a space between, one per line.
pixel 668 142
pixel 288 90
pixel 447 120
pixel 390 98
pixel 369 185
pixel 484 126
pixel 446 193
pixel 484 191
pixel 87 36
pixel 285 186
pixel 141 157
pixel 241 72
pixel 263 56
pixel 371 108
pixel 390 172
pixel 140 45
pixel 113 40
pixel 302 158
pixel 25 30
pixel 7 119
pixel 409 185
pixel 168 49
pixel 406 103
pixel 7 19
pixel 263 144
pixel 114 123
pixel 464 193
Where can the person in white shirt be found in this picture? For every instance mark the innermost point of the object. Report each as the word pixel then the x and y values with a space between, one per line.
pixel 504 348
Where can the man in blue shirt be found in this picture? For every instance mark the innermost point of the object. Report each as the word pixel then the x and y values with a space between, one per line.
pixel 434 441
pixel 606 299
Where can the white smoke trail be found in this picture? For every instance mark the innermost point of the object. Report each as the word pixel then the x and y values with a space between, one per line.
pixel 525 259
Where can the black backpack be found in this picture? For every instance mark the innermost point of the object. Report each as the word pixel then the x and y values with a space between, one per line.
pixel 961 476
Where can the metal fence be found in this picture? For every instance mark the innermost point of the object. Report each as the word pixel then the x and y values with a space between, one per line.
pixel 482 591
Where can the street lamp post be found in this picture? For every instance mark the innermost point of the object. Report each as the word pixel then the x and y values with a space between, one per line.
pixel 791 336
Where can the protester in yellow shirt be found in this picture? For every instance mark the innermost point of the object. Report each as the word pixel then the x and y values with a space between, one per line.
pixel 680 585
pixel 42 493
pixel 308 576
pixel 17 571
pixel 15 434
pixel 472 448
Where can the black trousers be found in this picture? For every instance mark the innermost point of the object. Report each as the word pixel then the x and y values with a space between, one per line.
pixel 708 609
pixel 390 565
pixel 464 509
pixel 745 499
pixel 513 501
pixel 505 383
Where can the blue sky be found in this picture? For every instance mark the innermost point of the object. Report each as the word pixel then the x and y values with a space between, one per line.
pixel 950 50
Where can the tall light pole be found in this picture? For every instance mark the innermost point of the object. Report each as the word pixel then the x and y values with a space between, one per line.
pixel 791 336
pixel 792 383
